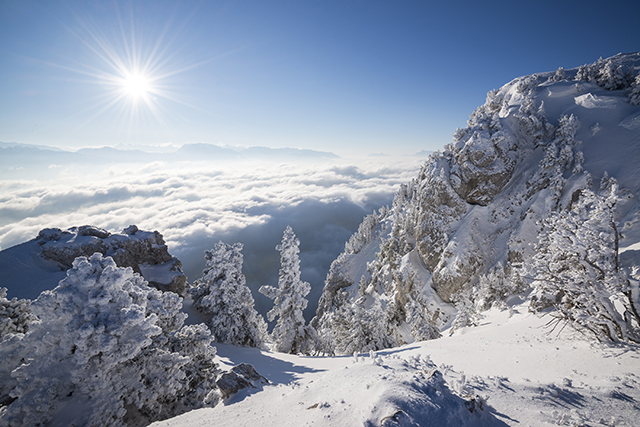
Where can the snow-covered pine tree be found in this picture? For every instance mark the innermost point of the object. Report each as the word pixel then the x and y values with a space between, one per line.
pixel 290 335
pixel 576 269
pixel 559 75
pixel 421 320
pixel 222 295
pixel 497 285
pixel 467 312
pixel 366 328
pixel 101 342
pixel 612 77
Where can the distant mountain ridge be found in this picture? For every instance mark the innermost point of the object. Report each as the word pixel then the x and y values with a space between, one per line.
pixel 29 161
pixel 192 151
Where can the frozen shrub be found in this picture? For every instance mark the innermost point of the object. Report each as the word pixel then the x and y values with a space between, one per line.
pixel 15 314
pixel 102 341
pixel 576 269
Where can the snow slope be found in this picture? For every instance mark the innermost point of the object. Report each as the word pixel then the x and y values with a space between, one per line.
pixel 528 375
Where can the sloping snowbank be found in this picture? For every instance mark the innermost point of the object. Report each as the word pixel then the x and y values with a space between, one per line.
pixel 528 374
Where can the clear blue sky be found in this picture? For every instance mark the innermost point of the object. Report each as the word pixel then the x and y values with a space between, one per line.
pixel 342 76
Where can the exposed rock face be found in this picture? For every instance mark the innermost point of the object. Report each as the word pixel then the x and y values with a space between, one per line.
pixel 239 377
pixel 483 167
pixel 145 252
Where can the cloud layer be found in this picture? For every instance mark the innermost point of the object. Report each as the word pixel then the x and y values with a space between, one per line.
pixel 196 204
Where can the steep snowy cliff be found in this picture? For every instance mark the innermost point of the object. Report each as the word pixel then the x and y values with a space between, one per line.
pixel 467 227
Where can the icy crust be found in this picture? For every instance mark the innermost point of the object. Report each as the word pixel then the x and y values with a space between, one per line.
pixel 144 251
pixel 475 207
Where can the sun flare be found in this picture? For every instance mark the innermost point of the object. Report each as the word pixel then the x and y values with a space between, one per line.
pixel 136 85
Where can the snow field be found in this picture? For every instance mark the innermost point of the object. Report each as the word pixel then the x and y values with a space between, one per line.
pixel 528 375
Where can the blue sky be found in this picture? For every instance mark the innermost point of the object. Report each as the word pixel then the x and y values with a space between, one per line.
pixel 349 77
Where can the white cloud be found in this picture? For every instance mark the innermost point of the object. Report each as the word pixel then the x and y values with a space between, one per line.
pixel 196 204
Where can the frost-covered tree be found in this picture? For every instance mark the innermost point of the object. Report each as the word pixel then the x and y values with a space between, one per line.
pixel 290 335
pixel 222 295
pixel 497 285
pixel 15 314
pixel 559 75
pixel 421 321
pixel 634 92
pixel 606 74
pixel 361 327
pixel 467 312
pixel 612 77
pixel 103 342
pixel 576 269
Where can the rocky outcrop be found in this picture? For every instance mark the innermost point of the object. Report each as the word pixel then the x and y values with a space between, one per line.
pixel 238 378
pixel 145 252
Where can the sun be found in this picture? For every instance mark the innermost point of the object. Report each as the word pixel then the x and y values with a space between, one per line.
pixel 136 85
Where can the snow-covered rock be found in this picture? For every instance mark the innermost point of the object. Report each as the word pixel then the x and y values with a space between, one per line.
pixel 53 251
pixel 239 377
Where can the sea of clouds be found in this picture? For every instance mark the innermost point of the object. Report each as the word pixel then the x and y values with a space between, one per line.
pixel 195 204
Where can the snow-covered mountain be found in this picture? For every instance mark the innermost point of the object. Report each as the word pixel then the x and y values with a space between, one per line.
pixel 465 230
pixel 527 222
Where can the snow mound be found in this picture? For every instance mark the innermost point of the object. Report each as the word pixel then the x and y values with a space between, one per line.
pixel 590 100
pixel 631 122
pixel 369 390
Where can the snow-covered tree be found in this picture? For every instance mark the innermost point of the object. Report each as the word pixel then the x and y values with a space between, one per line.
pixel 559 75
pixel 222 295
pixel 612 77
pixel 634 92
pixel 290 335
pixel 467 314
pixel 497 285
pixel 102 342
pixel 15 314
pixel 576 269
pixel 421 320
pixel 365 328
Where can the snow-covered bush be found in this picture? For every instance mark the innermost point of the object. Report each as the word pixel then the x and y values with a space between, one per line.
pixel 497 285
pixel 576 269
pixel 559 75
pixel 290 335
pixel 606 74
pixel 222 295
pixel 634 92
pixel 15 314
pixel 102 346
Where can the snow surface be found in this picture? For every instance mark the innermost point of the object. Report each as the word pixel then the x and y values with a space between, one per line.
pixel 528 375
